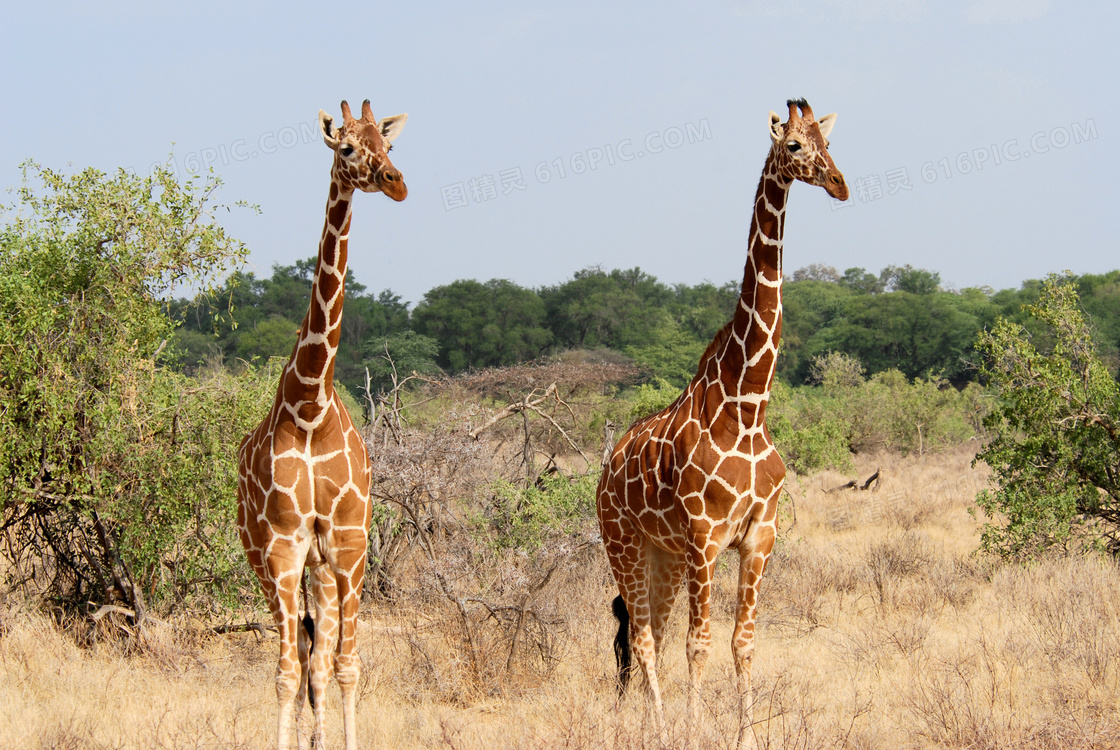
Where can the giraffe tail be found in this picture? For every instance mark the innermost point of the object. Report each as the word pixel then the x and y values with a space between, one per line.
pixel 309 626
pixel 622 642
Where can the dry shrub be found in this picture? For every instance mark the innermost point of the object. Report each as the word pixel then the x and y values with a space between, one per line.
pixel 69 735
pixel 572 420
pixel 482 619
pixel 786 713
pixel 892 562
pixel 481 625
pixel 577 374
pixel 955 580
pixel 798 587
pixel 955 702
pixel 1069 610
pixel 1035 666
pixel 421 478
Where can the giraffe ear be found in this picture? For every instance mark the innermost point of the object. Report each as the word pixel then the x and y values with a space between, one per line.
pixel 825 124
pixel 331 134
pixel 777 132
pixel 391 127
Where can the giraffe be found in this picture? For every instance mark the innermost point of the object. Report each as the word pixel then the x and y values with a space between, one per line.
pixel 702 475
pixel 303 485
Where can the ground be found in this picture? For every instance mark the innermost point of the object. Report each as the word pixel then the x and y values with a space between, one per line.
pixel 878 629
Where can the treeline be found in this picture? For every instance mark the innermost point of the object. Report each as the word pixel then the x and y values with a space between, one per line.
pixel 122 422
pixel 901 318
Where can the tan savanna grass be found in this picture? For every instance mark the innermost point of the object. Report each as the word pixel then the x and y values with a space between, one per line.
pixel 878 629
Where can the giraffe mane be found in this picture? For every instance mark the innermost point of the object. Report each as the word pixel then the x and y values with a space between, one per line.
pixel 717 343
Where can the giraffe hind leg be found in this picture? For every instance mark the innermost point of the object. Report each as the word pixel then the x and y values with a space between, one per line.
pixel 665 582
pixel 666 576
pixel 349 574
pixel 306 649
pixel 305 632
pixel 631 571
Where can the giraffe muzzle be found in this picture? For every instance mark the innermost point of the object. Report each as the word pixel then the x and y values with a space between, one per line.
pixel 391 182
pixel 835 186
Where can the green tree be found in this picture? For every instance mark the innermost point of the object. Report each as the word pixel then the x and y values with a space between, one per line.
pixel 704 309
pixel 672 353
pixel 272 337
pixel 401 353
pixel 368 322
pixel 600 309
pixel 909 279
pixel 809 306
pixel 483 325
pixel 1056 433
pixel 918 334
pixel 1100 295
pixel 117 473
pixel 862 282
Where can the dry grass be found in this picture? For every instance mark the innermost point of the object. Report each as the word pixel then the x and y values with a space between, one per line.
pixel 878 629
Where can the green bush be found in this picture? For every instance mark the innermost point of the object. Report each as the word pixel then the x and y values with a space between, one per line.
pixel 168 480
pixel 818 427
pixel 1055 446
pixel 118 474
pixel 528 518
pixel 650 398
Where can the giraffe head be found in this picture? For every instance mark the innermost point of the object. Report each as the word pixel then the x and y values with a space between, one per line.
pixel 800 149
pixel 361 151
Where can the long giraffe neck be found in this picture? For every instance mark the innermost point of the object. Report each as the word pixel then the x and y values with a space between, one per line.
pixel 743 354
pixel 309 377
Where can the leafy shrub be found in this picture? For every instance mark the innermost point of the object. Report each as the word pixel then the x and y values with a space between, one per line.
pixel 650 398
pixel 817 427
pixel 527 518
pixel 808 436
pixel 117 473
pixel 1055 434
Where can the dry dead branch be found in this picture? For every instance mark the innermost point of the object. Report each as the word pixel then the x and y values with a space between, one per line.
pixel 532 401
pixel 855 485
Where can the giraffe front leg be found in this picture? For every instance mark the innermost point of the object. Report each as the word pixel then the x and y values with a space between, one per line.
pixel 349 577
pixel 285 609
pixel 699 643
pixel 325 593
pixel 753 555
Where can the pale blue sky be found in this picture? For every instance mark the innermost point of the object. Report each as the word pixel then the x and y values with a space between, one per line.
pixel 492 88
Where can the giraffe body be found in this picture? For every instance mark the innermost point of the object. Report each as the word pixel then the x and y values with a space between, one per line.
pixel 303 486
pixel 702 475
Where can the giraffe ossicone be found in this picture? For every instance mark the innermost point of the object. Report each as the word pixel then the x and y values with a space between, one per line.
pixel 702 475
pixel 304 477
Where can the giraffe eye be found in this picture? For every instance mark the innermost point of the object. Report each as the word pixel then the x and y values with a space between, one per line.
pixel 346 150
pixel 793 147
